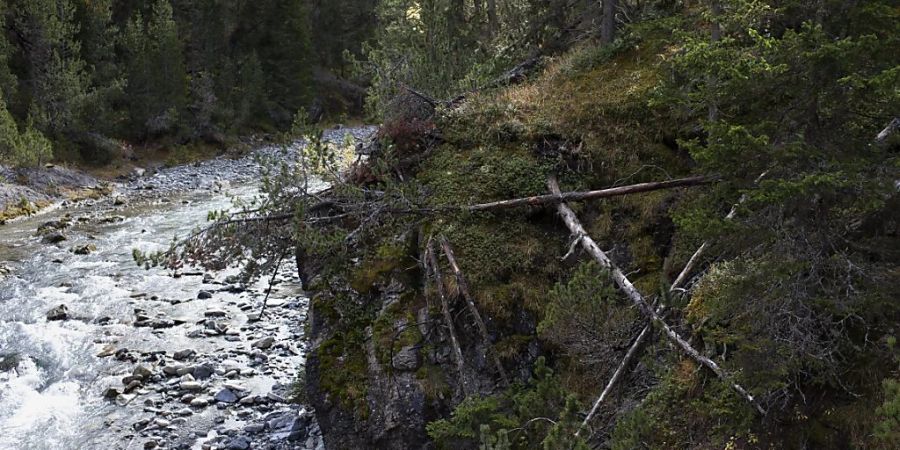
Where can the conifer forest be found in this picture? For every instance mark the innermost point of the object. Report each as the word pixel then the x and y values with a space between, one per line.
pixel 449 224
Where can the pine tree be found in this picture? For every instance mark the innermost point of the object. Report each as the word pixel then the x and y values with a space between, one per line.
pixel 157 86
pixel 54 72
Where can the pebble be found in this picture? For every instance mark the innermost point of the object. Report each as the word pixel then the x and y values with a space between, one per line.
pixel 191 386
pixel 199 402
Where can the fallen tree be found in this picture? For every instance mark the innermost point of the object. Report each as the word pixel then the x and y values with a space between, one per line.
pixel 624 284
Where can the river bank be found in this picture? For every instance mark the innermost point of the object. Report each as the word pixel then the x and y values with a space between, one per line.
pixel 98 353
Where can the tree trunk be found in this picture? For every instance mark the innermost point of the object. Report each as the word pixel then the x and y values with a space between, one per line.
pixel 608 22
pixel 470 302
pixel 624 284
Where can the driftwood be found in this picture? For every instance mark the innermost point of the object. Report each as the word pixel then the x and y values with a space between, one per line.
pixel 435 272
pixel 470 302
pixel 625 285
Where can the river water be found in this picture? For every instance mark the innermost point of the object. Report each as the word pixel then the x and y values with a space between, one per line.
pixel 54 374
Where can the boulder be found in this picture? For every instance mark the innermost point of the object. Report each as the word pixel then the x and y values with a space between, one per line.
pixel 54 238
pixel 182 355
pixel 264 343
pixel 86 249
pixel 61 312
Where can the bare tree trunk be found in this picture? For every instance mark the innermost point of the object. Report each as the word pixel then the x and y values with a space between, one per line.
pixel 625 285
pixel 715 36
pixel 493 21
pixel 608 22
pixel 445 310
pixel 470 302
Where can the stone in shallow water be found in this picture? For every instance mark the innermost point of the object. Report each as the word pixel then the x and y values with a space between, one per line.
pixel 61 312
pixel 204 295
pixel 142 372
pixel 111 394
pixel 202 371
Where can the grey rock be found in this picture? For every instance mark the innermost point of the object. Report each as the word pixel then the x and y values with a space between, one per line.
pixel 182 355
pixel 204 295
pixel 61 312
pixel 202 371
pixel 238 443
pixel 254 428
pixel 226 396
pixel 407 359
pixel 199 402
pixel 142 372
pixel 264 343
pixel 85 249
pixel 191 386
pixel 111 393
pixel 54 238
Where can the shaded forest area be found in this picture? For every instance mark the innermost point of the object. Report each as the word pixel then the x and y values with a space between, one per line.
pixel 79 77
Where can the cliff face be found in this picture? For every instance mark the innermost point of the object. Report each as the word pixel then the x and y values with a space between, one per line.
pixel 378 378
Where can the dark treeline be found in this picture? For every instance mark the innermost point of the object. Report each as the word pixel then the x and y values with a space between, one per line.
pixel 77 74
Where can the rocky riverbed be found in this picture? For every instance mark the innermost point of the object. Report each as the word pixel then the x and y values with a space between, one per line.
pixel 96 352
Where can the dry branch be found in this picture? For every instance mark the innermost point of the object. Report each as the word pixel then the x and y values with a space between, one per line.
pixel 470 302
pixel 435 272
pixel 625 285
pixel 579 196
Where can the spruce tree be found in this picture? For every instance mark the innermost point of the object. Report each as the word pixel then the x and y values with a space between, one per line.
pixel 157 86
pixel 54 72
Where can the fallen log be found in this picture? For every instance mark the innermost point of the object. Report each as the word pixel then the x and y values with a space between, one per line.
pixel 625 285
pixel 435 273
pixel 580 196
pixel 642 336
pixel 470 302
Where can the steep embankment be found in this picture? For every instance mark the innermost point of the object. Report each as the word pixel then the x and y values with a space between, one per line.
pixel 398 358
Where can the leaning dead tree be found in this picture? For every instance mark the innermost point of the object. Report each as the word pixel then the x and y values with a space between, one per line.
pixel 590 246
pixel 632 352
pixel 473 310
pixel 434 271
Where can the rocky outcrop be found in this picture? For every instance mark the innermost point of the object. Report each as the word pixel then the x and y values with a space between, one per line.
pixel 379 366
